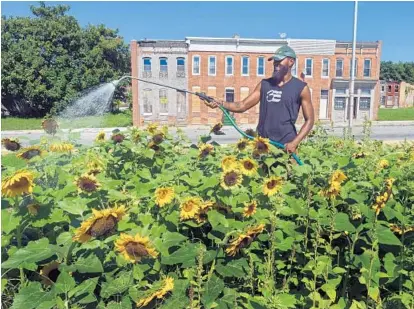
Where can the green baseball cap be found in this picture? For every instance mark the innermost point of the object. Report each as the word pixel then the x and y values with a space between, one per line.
pixel 282 53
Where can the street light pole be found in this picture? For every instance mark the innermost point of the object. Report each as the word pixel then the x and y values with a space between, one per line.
pixel 352 83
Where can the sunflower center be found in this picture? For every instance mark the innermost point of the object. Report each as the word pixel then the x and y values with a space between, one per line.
pixel 241 146
pixel 136 250
pixel 271 184
pixel 189 206
pixel 163 194
pixel 205 152
pixel 245 242
pixel 103 226
pixel 30 154
pixel 53 274
pixel 261 146
pixel 251 208
pixel 248 165
pixel 21 184
pixel 231 178
pixel 158 138
pixel 87 185
pixel 13 146
pixel 155 147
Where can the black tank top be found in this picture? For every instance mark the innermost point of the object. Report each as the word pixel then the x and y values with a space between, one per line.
pixel 279 109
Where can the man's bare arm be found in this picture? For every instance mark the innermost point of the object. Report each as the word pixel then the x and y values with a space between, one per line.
pixel 308 114
pixel 241 106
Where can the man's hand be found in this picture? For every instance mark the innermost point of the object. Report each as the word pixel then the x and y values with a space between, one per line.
pixel 214 104
pixel 291 147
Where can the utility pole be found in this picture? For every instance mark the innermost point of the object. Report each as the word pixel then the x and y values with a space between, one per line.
pixel 352 83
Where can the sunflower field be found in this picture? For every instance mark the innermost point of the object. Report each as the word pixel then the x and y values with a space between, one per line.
pixel 145 219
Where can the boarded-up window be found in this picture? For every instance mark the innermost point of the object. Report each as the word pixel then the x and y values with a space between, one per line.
pixel 244 92
pixel 196 100
pixel 147 101
pixel 212 92
pixel 181 106
pixel 163 101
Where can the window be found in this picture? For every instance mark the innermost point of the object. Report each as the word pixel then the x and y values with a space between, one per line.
pixel 340 91
pixel 163 68
pixel 339 67
pixel 295 68
pixel 364 104
pixel 366 91
pixel 396 89
pixel 382 88
pixel 196 65
pixel 163 101
pixel 324 94
pixel 339 103
pixel 308 66
pixel 212 65
pixel 180 67
pixel 389 88
pixel 147 101
pixel 147 67
pixel 355 68
pixel 181 108
pixel 229 65
pixel 367 67
pixel 244 92
pixel 196 102
pixel 245 66
pixel 325 67
pixel 260 66
pixel 229 95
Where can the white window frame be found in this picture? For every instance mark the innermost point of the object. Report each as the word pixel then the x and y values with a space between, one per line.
pixel 215 65
pixel 264 66
pixel 232 65
pixel 370 67
pixel 295 65
pixel 234 93
pixel 248 66
pixel 159 98
pixel 306 60
pixel 329 64
pixel 342 67
pixel 199 65
pixel 147 91
pixel 143 63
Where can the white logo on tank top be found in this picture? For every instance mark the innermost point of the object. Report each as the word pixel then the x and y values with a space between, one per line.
pixel 274 96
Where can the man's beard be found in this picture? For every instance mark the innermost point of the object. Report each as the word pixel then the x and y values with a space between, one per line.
pixel 280 74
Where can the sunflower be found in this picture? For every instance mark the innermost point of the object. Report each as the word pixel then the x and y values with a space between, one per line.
pixel 261 145
pixel 231 179
pixel 338 176
pixel 399 230
pixel 229 162
pixel 242 241
pixel 95 167
pixel 383 198
pixel 383 164
pixel 102 222
pixel 201 215
pixel 30 152
pixel 242 144
pixel 359 155
pixel 118 138
pixel 205 150
pixel 87 183
pixel 216 129
pixel 250 132
pixel 61 147
pixel 50 273
pixel 100 137
pixel 164 196
pixel 272 185
pixel 50 126
pixel 154 146
pixel 332 191
pixel 158 291
pixel 189 208
pixel 19 183
pixel 11 144
pixel 253 231
pixel 158 138
pixel 165 129
pixel 249 209
pixel 151 128
pixel 136 135
pixel 248 167
pixel 33 209
pixel 134 248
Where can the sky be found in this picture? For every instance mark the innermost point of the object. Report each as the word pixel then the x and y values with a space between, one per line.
pixel 390 22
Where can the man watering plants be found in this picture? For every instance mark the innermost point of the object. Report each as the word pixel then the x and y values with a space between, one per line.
pixel 281 97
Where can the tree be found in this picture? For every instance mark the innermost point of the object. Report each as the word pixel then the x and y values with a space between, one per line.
pixel 397 71
pixel 48 59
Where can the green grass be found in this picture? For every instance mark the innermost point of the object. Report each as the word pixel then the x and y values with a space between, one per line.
pixel 396 114
pixel 121 119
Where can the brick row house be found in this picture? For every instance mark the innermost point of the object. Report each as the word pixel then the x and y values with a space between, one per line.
pixel 396 94
pixel 230 69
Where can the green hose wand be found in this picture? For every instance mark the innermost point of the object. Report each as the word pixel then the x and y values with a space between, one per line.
pixel 204 97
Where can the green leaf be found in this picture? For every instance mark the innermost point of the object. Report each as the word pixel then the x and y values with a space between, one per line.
pixel 115 195
pixel 386 237
pixel 212 290
pixel 13 161
pixel 35 251
pixel 117 286
pixel 91 264
pixel 9 220
pixel 74 207
pixel 3 284
pixel 185 255
pixel 31 297
pixel 342 223
pixel 64 283
pixel 234 268
pixel 124 304
pixel 216 218
pixel 87 286
pixel 297 205
pixel 287 300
